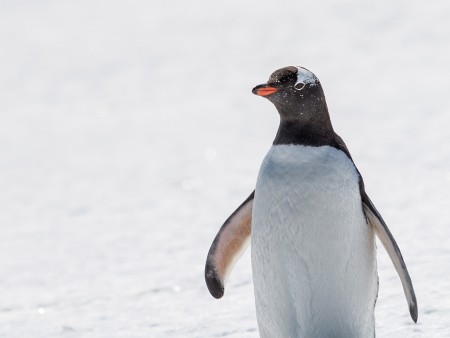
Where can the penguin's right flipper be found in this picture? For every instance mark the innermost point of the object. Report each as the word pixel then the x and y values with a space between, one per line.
pixel 230 242
pixel 388 241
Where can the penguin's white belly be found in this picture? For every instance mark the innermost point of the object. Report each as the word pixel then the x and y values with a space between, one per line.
pixel 313 253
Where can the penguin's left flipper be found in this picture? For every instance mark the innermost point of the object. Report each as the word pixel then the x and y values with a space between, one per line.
pixel 230 242
pixel 388 241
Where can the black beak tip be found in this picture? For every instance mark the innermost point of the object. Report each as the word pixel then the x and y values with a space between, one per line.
pixel 255 90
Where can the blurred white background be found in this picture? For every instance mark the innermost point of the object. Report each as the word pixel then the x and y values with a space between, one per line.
pixel 128 134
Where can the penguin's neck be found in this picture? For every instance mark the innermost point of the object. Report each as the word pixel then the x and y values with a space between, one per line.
pixel 313 132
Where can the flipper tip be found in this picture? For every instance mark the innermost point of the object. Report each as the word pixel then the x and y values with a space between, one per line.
pixel 214 283
pixel 414 312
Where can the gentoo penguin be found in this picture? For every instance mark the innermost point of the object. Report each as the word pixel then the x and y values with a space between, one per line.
pixel 312 226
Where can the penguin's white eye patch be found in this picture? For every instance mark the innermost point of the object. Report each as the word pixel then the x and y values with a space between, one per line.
pixel 299 85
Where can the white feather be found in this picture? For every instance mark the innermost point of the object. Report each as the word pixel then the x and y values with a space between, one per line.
pixel 305 76
pixel 313 254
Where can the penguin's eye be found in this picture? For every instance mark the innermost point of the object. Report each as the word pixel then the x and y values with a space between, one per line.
pixel 299 86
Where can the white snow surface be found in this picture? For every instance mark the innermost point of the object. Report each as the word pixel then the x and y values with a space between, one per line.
pixel 128 134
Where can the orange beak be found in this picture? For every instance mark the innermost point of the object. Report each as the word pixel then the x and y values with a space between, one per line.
pixel 264 90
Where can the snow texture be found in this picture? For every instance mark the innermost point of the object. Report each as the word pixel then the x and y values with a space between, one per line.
pixel 128 134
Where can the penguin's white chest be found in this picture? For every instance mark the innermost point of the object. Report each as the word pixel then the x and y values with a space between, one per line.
pixel 313 253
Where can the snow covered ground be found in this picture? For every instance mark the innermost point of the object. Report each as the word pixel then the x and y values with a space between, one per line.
pixel 128 133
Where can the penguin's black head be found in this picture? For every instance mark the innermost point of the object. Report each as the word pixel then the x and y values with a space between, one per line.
pixel 295 92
